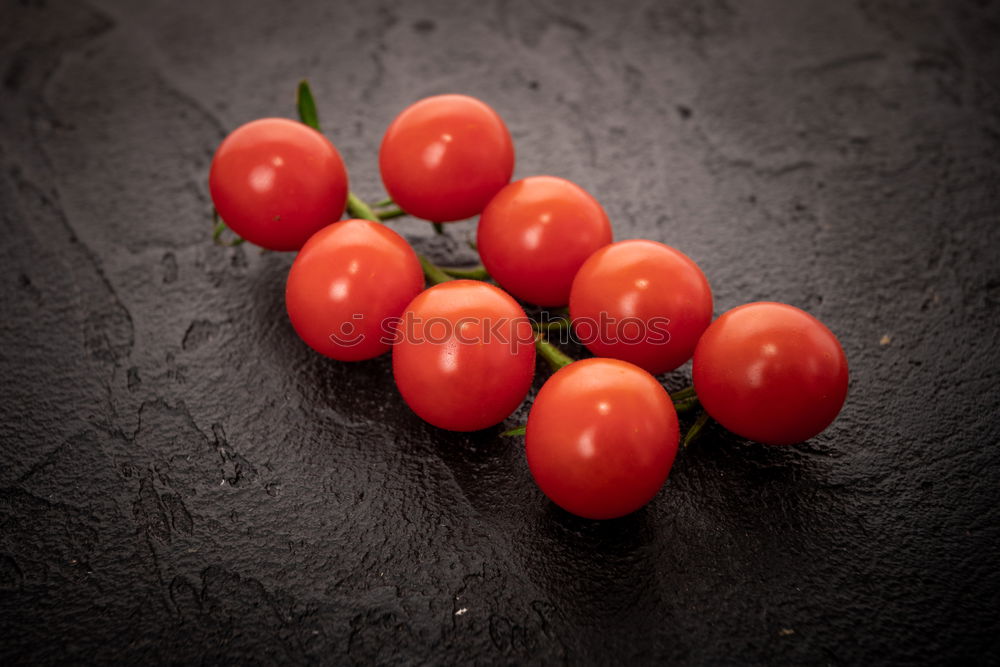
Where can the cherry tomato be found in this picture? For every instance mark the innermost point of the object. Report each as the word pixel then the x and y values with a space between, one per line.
pixel 348 286
pixel 601 438
pixel 771 373
pixel 276 182
pixel 641 301
pixel 444 157
pixel 536 233
pixel 465 357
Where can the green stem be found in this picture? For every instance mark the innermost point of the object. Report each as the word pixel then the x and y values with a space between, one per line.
pixel 307 105
pixel 686 406
pixel 357 208
pixel 384 203
pixel 472 273
pixel 683 394
pixel 520 430
pixel 696 429
pixel 219 228
pixel 557 358
pixel 432 271
pixel 393 213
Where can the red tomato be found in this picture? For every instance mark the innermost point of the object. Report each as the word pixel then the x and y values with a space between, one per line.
pixel 276 182
pixel 601 438
pixel 771 373
pixel 348 286
pixel 536 233
pixel 443 158
pixel 465 356
pixel 641 301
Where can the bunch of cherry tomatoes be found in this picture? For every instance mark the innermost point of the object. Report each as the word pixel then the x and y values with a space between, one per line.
pixel 602 433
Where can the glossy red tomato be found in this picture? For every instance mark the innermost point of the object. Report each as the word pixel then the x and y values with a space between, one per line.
pixel 348 286
pixel 536 233
pixel 276 182
pixel 465 357
pixel 444 157
pixel 771 373
pixel 601 438
pixel 641 301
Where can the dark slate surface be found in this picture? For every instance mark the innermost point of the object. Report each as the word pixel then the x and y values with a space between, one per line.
pixel 182 480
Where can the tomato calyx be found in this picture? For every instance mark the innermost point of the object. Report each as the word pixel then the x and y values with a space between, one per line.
pixel 219 227
pixel 306 105
pixel 697 428
pixel 517 430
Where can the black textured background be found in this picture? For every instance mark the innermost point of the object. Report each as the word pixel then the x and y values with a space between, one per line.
pixel 182 480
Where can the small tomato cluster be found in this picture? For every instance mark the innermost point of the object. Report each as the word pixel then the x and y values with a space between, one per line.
pixel 602 433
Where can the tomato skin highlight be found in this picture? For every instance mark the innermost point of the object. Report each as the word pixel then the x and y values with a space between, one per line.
pixel 275 182
pixel 465 357
pixel 346 285
pixel 601 438
pixel 535 234
pixel 771 372
pixel 651 285
pixel 444 157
